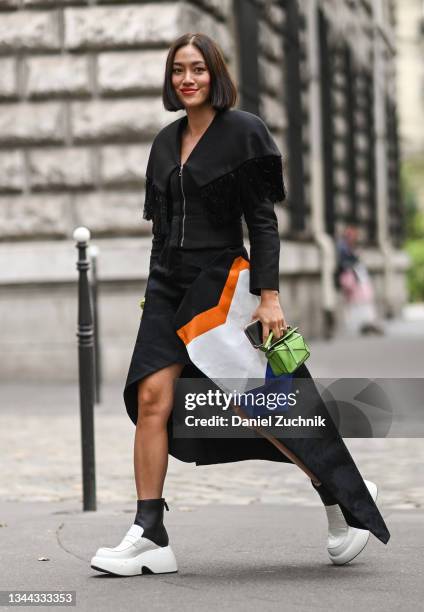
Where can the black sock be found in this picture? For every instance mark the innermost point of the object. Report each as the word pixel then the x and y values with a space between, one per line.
pixel 325 495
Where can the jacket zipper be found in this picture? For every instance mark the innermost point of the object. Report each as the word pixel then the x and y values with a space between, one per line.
pixel 182 190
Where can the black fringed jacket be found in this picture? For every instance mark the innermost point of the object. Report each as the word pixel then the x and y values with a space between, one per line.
pixel 235 169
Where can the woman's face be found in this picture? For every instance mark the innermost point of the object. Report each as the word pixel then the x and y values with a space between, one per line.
pixel 191 77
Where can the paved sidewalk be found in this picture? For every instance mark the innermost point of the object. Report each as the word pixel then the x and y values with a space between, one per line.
pixel 41 447
pixel 247 535
pixel 231 558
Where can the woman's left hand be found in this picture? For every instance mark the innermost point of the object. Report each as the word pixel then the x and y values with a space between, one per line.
pixel 270 314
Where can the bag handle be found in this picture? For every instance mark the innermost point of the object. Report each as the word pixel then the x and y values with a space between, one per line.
pixel 267 342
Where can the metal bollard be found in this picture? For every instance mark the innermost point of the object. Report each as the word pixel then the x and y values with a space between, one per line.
pixel 93 252
pixel 86 371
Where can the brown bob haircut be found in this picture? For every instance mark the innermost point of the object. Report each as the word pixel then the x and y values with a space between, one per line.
pixel 223 92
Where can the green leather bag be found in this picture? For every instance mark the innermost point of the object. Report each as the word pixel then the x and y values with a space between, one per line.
pixel 287 353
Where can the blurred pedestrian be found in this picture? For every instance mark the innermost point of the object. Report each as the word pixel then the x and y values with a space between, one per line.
pixel 353 280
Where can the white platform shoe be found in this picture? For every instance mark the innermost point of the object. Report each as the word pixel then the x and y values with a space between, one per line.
pixel 144 548
pixel 346 542
pixel 135 555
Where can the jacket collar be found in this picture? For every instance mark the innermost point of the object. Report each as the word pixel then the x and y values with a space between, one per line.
pixel 232 137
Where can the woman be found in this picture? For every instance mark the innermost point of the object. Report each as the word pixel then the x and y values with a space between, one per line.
pixel 205 171
pixel 352 278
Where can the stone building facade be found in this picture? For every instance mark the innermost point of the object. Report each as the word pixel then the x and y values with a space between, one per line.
pixel 80 101
pixel 410 73
pixel 410 91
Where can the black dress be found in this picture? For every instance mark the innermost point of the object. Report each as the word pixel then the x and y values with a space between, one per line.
pixel 234 169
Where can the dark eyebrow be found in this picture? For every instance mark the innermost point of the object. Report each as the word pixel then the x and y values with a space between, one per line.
pixel 194 62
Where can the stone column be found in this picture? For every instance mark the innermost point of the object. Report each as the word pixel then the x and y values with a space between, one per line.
pixel 380 44
pixel 322 239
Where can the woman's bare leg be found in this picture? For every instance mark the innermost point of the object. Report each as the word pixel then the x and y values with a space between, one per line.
pixel 155 401
pixel 278 444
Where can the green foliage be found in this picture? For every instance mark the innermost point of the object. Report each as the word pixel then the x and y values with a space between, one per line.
pixel 414 244
pixel 415 275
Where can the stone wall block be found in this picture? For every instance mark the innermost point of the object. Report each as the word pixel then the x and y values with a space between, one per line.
pixel 339 80
pixel 271 77
pixel 273 113
pixel 98 27
pixel 342 203
pixel 339 102
pixel 362 188
pixel 340 126
pixel 362 142
pixel 362 164
pixel 270 42
pixel 363 215
pixel 28 123
pixel 8 84
pixel 131 71
pixel 12 170
pixel 340 179
pixel 118 120
pixel 58 168
pixel 220 8
pixel 111 213
pixel 59 74
pixel 123 164
pixel 33 216
pixel 340 152
pixel 29 30
pixel 275 14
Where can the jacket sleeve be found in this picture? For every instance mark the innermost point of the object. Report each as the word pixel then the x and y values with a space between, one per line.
pixel 262 226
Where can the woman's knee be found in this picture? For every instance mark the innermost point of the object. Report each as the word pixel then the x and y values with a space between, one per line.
pixel 155 394
pixel 153 403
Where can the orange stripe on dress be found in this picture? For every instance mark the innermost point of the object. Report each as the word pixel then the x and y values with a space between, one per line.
pixel 208 319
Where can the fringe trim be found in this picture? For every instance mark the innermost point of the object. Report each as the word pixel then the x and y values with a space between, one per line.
pixel 156 208
pixel 254 180
pixel 226 197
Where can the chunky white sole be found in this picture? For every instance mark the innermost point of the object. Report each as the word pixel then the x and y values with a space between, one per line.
pixel 356 546
pixel 355 539
pixel 157 561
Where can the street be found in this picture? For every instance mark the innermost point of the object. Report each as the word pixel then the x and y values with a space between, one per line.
pixel 245 534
